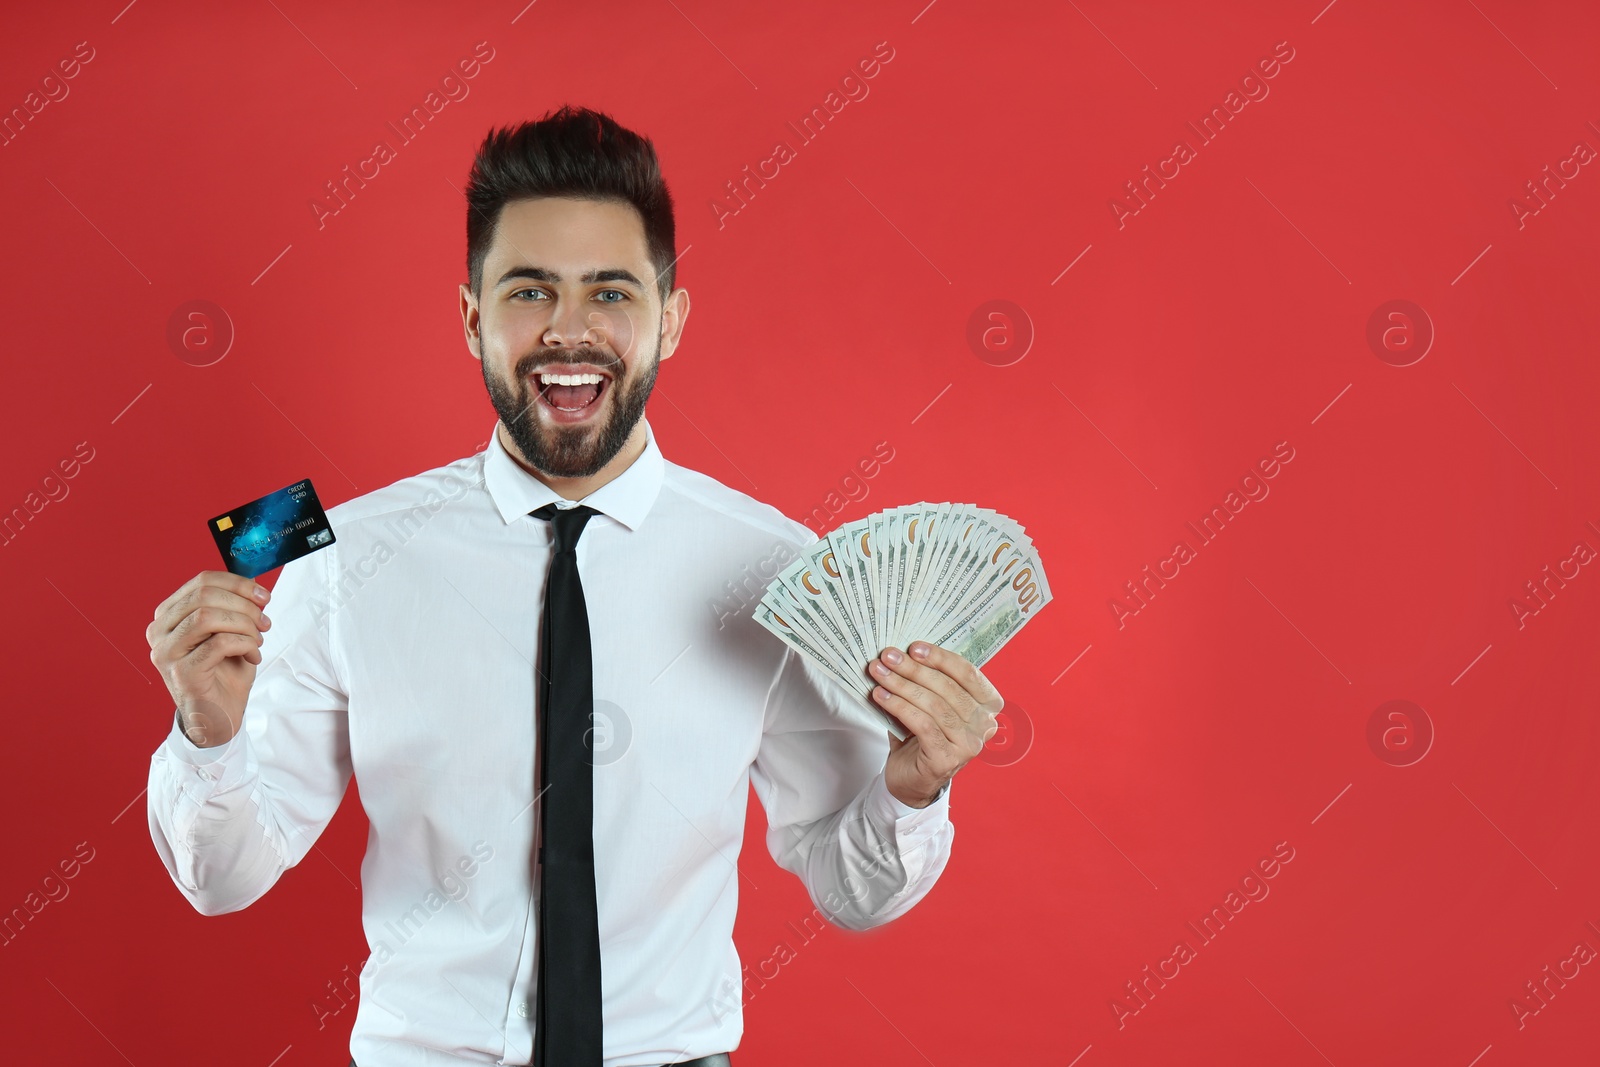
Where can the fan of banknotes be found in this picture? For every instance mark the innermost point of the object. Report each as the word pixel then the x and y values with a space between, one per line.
pixel 955 575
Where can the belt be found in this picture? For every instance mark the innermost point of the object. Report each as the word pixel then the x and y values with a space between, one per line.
pixel 719 1059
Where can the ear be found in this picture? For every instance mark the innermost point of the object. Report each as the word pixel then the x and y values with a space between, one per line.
pixel 471 324
pixel 674 313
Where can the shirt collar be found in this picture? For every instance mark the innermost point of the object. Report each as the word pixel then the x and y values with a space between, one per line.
pixel 626 498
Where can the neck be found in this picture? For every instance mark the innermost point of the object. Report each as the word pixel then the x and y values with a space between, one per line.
pixel 578 488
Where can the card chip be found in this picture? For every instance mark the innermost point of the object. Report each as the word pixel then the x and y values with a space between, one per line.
pixel 225 523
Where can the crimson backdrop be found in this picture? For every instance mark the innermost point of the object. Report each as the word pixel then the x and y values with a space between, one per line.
pixel 1222 314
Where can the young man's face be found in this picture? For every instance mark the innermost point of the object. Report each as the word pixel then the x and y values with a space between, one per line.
pixel 569 292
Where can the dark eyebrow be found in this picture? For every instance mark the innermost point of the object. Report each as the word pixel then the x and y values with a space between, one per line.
pixel 540 274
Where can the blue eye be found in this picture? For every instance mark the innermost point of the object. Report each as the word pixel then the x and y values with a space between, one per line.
pixel 542 295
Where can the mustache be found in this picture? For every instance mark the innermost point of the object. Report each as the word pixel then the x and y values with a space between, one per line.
pixel 530 364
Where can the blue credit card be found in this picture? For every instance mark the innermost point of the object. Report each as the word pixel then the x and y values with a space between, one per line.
pixel 267 533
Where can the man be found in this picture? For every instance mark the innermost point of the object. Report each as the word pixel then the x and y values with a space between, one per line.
pixel 528 660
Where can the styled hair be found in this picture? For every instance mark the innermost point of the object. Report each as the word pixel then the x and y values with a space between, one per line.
pixel 570 152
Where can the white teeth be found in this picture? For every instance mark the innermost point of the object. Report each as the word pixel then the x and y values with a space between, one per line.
pixel 571 379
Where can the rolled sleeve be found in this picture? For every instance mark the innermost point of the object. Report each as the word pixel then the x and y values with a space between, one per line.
pixel 864 857
pixel 227 821
pixel 890 808
pixel 222 765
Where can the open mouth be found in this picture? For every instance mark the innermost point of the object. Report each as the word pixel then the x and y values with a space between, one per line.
pixel 571 397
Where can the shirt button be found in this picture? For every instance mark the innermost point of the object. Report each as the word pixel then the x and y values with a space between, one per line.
pixel 522 1009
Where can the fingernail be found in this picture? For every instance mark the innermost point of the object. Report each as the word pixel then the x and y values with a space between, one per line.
pixel 879 669
pixel 919 649
pixel 261 593
pixel 880 693
pixel 266 623
pixel 892 655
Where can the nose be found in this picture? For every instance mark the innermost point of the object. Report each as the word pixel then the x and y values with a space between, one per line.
pixel 572 325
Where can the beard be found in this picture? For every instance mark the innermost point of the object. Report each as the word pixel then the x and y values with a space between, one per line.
pixel 570 451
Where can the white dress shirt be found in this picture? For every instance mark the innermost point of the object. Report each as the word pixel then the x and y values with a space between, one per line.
pixel 404 653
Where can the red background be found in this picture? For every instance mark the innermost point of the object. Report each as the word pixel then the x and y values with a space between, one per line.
pixel 1229 314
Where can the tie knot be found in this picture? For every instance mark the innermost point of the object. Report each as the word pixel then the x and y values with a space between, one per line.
pixel 567 523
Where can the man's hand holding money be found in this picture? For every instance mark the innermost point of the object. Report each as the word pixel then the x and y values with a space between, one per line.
pixel 949 707
pixel 950 583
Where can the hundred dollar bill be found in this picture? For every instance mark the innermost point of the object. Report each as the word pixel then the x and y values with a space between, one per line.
pixel 840 558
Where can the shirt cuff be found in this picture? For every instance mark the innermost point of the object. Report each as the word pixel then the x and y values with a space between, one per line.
pixel 209 763
pixel 903 817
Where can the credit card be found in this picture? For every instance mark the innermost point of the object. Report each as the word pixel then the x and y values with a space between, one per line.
pixel 267 533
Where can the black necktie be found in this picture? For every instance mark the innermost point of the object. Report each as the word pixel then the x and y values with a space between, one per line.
pixel 567 1022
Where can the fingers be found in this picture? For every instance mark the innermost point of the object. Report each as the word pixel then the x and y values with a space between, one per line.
pixel 925 712
pixel 927 729
pixel 200 628
pixel 959 668
pixel 188 618
pixel 218 647
pixel 957 698
pixel 945 720
pixel 244 588
pixel 194 628
pixel 916 691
